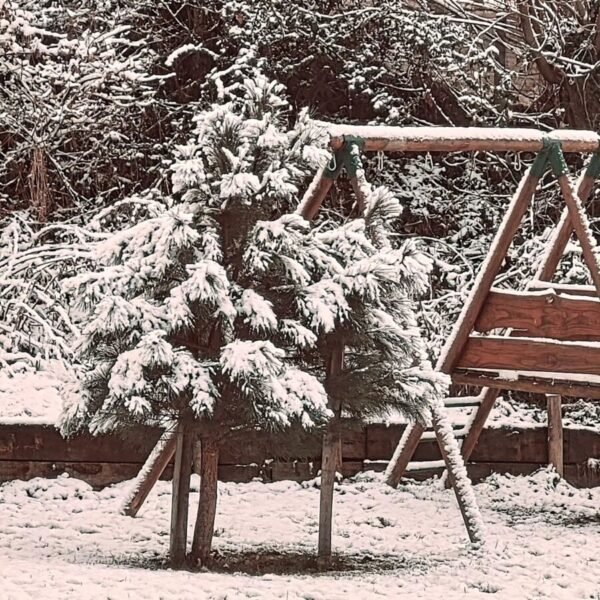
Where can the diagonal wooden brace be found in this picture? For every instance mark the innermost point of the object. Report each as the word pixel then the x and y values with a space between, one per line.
pixel 562 232
pixel 472 307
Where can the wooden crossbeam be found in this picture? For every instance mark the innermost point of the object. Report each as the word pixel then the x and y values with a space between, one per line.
pixel 572 289
pixel 530 354
pixel 459 139
pixel 543 314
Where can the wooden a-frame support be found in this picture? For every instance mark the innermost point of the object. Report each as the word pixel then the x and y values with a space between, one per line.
pixel 422 139
pixel 348 155
pixel 572 220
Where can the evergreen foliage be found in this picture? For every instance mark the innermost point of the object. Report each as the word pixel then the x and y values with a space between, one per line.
pixel 222 305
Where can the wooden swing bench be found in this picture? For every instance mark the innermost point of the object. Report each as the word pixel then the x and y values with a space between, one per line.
pixel 545 339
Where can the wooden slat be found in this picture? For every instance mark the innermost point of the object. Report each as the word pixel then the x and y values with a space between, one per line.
pixel 349 468
pixel 528 354
pixel 542 314
pixel 581 444
pixel 45 443
pixel 462 402
pixel 511 447
pixel 508 444
pixel 291 470
pixel 459 139
pixel 383 439
pixel 97 474
pixel 526 383
pixel 354 440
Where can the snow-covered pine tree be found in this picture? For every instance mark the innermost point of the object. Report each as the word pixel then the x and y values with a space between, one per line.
pixel 220 309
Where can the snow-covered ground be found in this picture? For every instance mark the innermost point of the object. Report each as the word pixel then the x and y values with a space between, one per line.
pixel 59 539
pixel 29 395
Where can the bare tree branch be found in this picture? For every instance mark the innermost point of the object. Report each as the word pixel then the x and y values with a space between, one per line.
pixel 549 72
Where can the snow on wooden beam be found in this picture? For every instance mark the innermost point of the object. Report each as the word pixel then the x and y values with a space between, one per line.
pixel 572 289
pixel 459 139
pixel 526 383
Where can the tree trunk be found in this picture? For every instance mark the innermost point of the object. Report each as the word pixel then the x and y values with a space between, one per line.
pixel 330 459
pixel 181 496
pixel 329 464
pixel 207 505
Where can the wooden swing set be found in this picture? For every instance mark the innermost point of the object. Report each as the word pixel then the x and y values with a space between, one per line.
pixel 544 340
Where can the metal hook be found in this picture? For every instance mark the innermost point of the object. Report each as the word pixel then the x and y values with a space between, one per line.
pixel 332 166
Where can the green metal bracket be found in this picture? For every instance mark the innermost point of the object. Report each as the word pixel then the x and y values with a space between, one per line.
pixel 540 163
pixel 552 155
pixel 556 158
pixel 354 144
pixel 348 157
pixel 593 168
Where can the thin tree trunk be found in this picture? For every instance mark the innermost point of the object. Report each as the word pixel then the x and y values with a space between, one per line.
pixel 330 460
pixel 207 505
pixel 329 464
pixel 181 496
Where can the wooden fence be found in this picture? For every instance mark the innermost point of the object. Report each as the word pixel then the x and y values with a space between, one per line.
pixel 28 451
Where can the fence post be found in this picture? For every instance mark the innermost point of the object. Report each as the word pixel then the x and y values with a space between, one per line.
pixel 555 433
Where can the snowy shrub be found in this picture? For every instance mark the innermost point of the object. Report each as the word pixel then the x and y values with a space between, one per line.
pixel 36 320
pixel 78 104
pixel 211 310
pixel 181 325
pixel 221 308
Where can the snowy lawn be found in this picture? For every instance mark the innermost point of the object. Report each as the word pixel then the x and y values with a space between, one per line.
pixel 59 539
